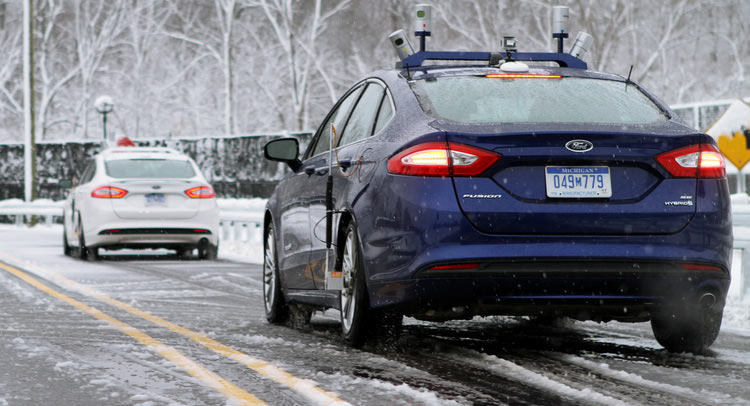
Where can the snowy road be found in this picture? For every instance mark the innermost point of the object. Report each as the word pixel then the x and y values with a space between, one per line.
pixel 155 330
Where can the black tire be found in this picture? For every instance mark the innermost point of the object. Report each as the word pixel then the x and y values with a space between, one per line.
pixel 277 311
pixel 82 251
pixel 207 251
pixel 691 329
pixel 67 250
pixel 355 304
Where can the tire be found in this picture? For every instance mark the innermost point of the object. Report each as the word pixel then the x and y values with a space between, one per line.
pixel 67 250
pixel 82 251
pixel 355 305
pixel 691 329
pixel 277 312
pixel 207 251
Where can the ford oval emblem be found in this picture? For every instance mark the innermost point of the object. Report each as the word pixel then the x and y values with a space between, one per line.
pixel 579 145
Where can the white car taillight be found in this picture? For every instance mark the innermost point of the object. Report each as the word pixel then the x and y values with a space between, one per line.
pixel 200 192
pixel 108 192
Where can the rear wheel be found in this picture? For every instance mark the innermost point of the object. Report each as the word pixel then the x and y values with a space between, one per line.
pixel 691 329
pixel 207 251
pixel 276 310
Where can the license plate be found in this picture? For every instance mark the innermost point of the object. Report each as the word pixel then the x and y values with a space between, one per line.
pixel 578 181
pixel 155 199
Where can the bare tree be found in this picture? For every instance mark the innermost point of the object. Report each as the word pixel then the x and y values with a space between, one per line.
pixel 96 27
pixel 298 32
pixel 228 66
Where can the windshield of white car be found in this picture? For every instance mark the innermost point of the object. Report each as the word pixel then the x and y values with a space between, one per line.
pixel 149 169
pixel 485 100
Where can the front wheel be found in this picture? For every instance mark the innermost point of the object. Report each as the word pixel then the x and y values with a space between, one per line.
pixel 277 311
pixel 67 250
pixel 687 330
pixel 82 251
pixel 354 302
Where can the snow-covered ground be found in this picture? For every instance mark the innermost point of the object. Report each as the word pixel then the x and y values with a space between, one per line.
pixel 249 249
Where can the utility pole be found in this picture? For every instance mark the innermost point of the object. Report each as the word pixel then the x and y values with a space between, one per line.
pixel 29 150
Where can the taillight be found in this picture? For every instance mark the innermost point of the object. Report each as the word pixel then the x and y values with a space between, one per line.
pixel 200 192
pixel 442 159
pixel 109 192
pixel 695 161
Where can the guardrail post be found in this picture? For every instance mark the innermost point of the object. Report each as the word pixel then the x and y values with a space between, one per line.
pixel 257 233
pixel 744 281
pixel 19 220
pixel 236 231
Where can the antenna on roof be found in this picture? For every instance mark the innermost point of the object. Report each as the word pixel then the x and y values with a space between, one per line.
pixel 628 81
pixel 560 17
pixel 423 24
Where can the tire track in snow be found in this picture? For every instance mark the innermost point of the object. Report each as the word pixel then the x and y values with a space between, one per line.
pixel 512 371
pixel 153 271
pixel 686 394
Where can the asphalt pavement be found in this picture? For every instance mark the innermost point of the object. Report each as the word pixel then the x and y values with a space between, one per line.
pixel 158 330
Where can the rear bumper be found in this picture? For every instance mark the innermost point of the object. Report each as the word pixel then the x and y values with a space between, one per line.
pixel 153 234
pixel 525 274
pixel 599 290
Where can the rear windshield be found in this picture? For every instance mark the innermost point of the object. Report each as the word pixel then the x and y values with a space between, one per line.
pixel 149 169
pixel 482 100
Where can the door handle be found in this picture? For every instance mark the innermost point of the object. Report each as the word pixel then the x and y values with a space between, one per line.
pixel 309 170
pixel 321 171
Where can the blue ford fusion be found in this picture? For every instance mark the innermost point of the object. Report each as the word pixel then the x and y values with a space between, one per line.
pixel 469 190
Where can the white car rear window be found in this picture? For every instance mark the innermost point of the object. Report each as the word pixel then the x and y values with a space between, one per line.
pixel 149 169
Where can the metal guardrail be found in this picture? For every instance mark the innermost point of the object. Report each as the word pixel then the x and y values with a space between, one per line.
pixel 235 225
pixel 741 218
pixel 24 212
pixel 241 226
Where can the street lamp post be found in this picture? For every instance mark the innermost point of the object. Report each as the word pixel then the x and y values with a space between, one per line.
pixel 104 106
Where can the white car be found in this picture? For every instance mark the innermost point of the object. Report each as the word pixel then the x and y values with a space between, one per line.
pixel 141 198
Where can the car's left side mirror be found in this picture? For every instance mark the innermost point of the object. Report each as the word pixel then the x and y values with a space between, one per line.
pixel 66 183
pixel 284 150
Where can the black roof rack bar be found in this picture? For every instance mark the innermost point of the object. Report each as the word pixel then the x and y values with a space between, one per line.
pixel 562 59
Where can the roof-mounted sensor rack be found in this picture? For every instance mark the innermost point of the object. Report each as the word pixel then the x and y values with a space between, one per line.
pixel 564 60
pixel 423 20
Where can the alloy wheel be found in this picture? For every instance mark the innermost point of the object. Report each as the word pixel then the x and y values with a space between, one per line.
pixel 269 271
pixel 348 293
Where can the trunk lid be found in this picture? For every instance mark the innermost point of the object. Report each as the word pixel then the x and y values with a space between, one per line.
pixel 156 199
pixel 512 196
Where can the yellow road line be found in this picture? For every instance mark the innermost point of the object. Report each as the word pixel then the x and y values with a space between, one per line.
pixel 304 387
pixel 209 378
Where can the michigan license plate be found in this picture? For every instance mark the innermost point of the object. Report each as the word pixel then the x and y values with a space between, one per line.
pixel 155 199
pixel 578 181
